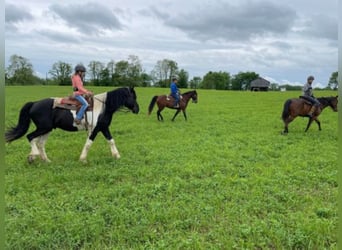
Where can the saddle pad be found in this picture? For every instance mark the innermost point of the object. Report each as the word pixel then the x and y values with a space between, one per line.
pixel 69 103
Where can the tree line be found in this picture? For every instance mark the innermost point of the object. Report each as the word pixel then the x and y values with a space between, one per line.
pixel 130 73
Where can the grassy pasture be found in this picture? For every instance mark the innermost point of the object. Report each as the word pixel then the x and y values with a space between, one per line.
pixel 225 179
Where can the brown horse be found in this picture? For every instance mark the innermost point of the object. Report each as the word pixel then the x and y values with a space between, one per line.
pixel 168 101
pixel 301 107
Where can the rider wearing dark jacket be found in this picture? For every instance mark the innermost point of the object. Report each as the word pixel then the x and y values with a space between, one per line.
pixel 308 94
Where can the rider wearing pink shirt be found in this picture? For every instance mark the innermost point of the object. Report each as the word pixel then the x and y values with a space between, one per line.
pixel 79 91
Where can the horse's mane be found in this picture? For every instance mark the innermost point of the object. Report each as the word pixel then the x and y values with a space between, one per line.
pixel 325 100
pixel 116 99
pixel 188 92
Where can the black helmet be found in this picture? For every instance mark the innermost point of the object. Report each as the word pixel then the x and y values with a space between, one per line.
pixel 311 78
pixel 80 67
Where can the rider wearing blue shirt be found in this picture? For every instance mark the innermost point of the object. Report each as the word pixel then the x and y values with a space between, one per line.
pixel 175 91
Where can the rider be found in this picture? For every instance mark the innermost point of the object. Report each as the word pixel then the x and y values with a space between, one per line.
pixel 308 94
pixel 80 91
pixel 175 93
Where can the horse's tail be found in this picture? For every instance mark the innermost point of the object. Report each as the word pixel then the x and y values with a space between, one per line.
pixel 15 133
pixel 153 101
pixel 286 110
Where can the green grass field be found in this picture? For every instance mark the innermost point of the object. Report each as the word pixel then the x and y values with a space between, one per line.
pixel 225 179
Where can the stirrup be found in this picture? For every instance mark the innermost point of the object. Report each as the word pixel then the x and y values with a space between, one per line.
pixel 77 121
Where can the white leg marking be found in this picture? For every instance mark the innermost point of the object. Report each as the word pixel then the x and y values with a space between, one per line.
pixel 85 150
pixel 113 149
pixel 41 147
pixel 34 150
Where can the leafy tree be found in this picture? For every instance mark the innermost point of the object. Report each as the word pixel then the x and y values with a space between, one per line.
pixel 125 72
pixel 216 80
pixel 195 82
pixel 146 80
pixel 20 71
pixel 111 70
pixel 134 71
pixel 105 78
pixel 95 68
pixel 61 73
pixel 163 71
pixel 274 86
pixel 183 79
pixel 121 73
pixel 242 80
pixel 333 83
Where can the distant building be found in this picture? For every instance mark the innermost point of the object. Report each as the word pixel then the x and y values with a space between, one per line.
pixel 260 84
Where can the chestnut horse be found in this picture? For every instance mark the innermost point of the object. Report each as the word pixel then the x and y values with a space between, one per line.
pixel 168 101
pixel 301 107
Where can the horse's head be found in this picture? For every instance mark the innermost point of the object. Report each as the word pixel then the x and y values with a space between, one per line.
pixel 333 101
pixel 194 96
pixel 131 100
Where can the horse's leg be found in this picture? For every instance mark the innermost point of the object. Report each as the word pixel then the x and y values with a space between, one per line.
pixel 286 128
pixel 85 150
pixel 178 110
pixel 115 152
pixel 159 115
pixel 34 139
pixel 318 123
pixel 87 145
pixel 184 113
pixel 41 147
pixel 113 149
pixel 309 123
pixel 34 150
pixel 286 124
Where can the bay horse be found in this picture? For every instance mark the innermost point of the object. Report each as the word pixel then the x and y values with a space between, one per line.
pixel 301 107
pixel 46 117
pixel 168 101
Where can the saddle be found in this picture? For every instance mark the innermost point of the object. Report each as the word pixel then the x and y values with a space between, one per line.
pixel 72 103
pixel 169 96
pixel 306 100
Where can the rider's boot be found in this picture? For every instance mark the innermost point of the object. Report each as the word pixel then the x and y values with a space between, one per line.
pixel 312 110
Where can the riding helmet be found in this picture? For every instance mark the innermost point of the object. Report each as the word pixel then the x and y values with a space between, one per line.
pixel 80 67
pixel 311 78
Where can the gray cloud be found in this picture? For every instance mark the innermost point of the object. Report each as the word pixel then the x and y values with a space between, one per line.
pixel 153 11
pixel 88 18
pixel 230 22
pixel 322 26
pixel 15 14
pixel 269 37
pixel 58 36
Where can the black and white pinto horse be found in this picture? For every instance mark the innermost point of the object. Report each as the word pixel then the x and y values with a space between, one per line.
pixel 47 117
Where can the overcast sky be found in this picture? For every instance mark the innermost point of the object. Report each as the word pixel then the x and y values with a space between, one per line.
pixel 283 41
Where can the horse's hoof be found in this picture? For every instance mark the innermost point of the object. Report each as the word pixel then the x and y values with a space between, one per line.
pixel 116 156
pixel 30 159
pixel 83 159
